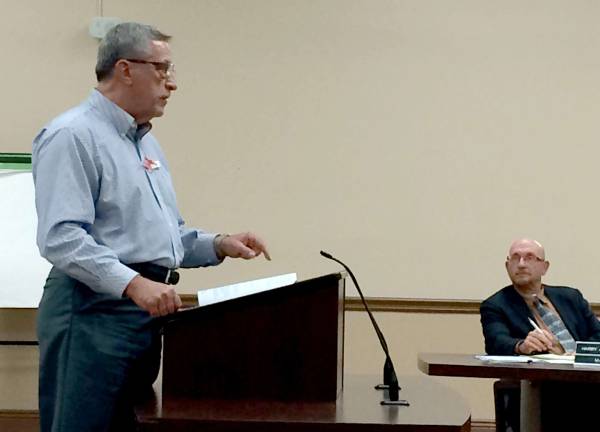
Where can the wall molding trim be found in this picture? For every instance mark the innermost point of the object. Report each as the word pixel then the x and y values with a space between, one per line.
pixel 404 305
pixel 401 305
pixel 19 414
pixel 385 304
pixel 378 304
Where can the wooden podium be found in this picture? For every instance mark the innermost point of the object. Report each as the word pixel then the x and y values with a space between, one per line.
pixel 285 344
pixel 273 362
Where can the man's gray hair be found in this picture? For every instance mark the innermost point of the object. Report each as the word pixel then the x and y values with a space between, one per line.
pixel 125 40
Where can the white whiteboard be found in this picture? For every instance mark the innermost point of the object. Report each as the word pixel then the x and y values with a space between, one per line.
pixel 23 270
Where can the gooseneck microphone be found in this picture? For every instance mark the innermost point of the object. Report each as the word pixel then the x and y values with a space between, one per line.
pixel 390 380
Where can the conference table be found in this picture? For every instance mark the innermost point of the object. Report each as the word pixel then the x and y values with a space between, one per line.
pixel 433 407
pixel 531 375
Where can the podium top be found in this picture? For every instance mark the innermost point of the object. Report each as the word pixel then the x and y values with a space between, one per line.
pixel 231 293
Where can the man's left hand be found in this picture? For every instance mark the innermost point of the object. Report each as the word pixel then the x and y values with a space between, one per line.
pixel 245 245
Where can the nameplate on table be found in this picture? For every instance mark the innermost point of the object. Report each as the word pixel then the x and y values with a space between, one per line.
pixel 587 353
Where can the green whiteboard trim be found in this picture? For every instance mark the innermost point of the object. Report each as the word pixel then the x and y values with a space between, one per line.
pixel 15 161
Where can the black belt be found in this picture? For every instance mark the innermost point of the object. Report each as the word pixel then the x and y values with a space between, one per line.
pixel 156 273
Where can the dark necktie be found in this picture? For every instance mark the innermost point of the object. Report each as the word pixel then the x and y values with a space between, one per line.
pixel 555 324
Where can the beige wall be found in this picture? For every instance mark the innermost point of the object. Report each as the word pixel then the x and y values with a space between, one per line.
pixel 407 335
pixel 413 139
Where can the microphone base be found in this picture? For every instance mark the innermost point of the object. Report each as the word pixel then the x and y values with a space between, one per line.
pixel 383 387
pixel 401 402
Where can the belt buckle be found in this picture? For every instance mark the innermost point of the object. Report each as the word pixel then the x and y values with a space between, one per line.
pixel 172 277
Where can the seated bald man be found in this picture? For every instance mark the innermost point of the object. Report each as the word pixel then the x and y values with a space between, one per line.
pixel 530 317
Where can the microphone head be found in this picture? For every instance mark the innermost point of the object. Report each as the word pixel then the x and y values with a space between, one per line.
pixel 326 255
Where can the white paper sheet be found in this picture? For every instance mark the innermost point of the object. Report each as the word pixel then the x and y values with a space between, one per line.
pixel 228 292
pixel 541 358
pixel 555 358
pixel 507 359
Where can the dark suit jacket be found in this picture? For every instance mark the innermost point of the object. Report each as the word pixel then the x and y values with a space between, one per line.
pixel 504 317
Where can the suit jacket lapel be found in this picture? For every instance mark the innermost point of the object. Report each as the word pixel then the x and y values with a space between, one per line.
pixel 520 310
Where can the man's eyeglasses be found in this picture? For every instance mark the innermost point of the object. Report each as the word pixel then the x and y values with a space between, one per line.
pixel 166 68
pixel 528 258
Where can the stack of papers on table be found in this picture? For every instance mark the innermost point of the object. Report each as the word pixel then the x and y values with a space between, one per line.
pixel 541 358
pixel 506 359
pixel 555 358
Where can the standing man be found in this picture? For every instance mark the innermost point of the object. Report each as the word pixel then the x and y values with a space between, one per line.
pixel 108 222
pixel 560 314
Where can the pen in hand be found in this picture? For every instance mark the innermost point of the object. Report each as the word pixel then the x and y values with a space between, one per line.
pixel 535 326
pixel 541 332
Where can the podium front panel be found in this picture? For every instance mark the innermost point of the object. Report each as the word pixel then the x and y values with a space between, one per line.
pixel 285 344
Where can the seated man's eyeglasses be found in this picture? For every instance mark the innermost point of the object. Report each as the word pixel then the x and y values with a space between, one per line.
pixel 166 68
pixel 528 258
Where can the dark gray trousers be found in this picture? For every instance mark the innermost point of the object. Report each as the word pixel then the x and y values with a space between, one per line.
pixel 97 356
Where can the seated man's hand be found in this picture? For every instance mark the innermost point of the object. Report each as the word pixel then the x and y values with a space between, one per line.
pixel 156 298
pixel 243 245
pixel 537 341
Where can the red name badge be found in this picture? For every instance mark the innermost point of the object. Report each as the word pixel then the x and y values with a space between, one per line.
pixel 150 165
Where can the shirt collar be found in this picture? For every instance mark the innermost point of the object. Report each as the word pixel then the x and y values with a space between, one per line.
pixel 529 299
pixel 118 117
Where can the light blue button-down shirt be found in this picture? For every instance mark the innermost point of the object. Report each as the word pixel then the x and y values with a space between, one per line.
pixel 99 205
